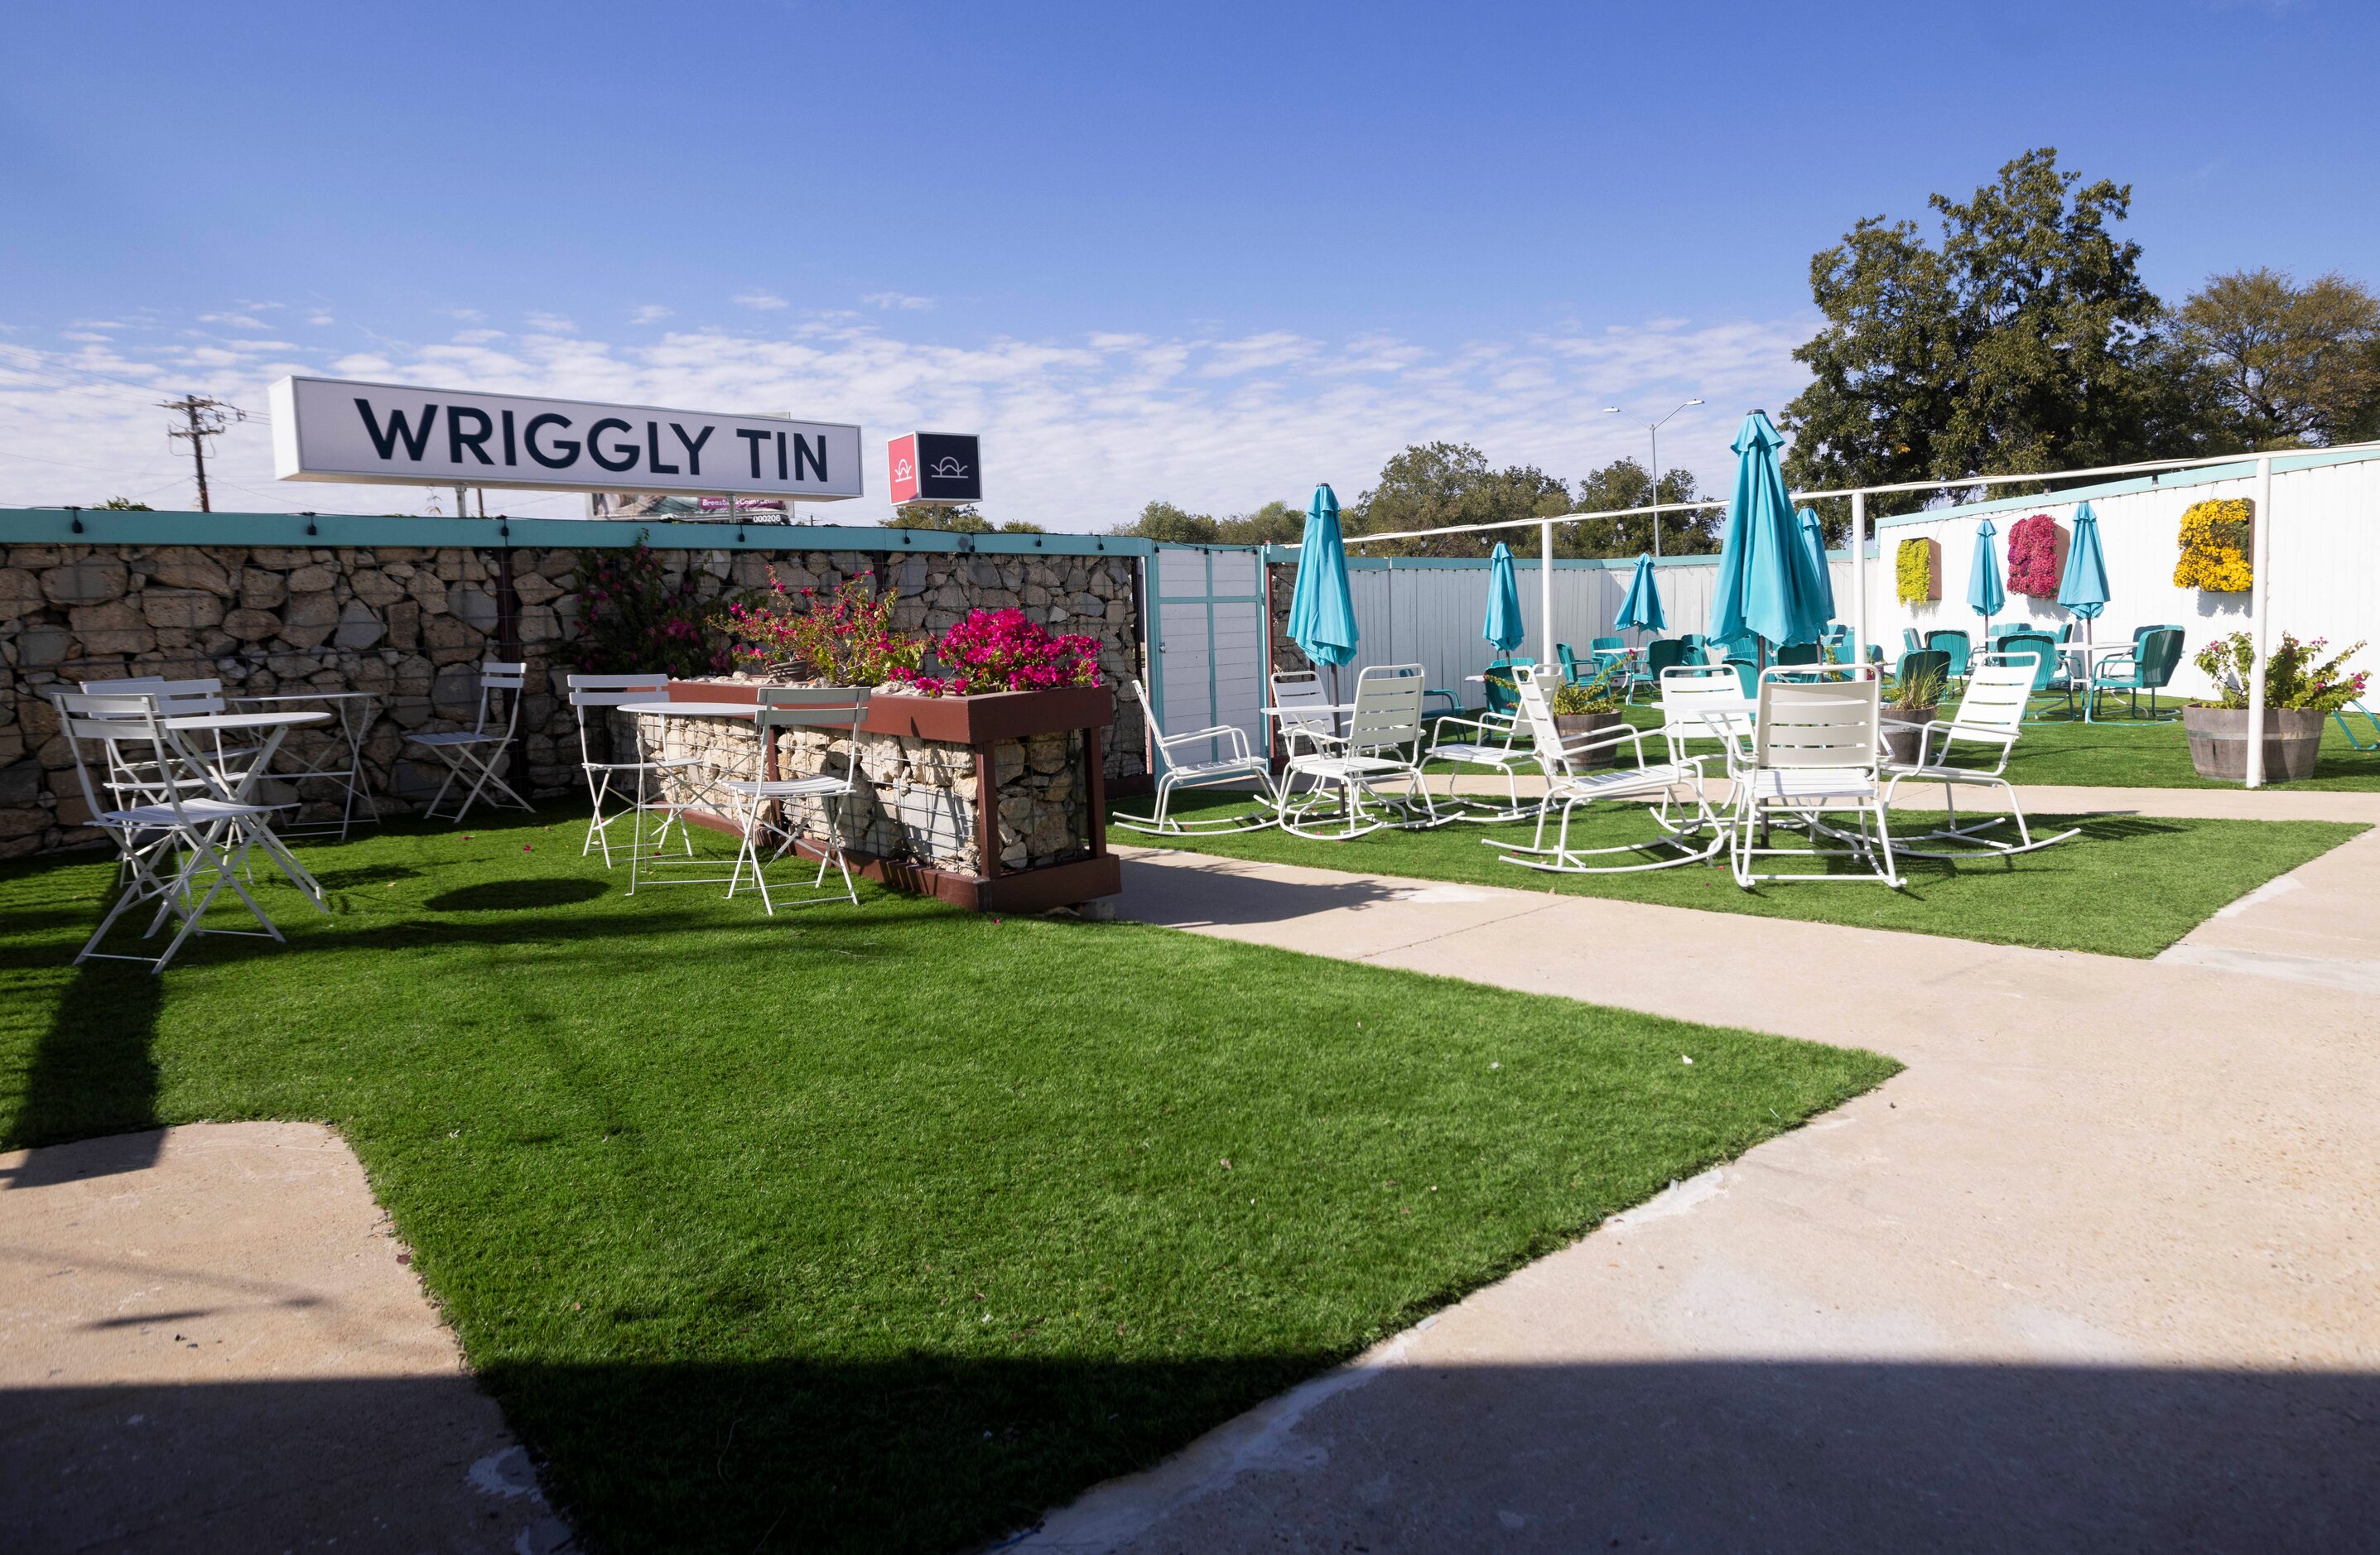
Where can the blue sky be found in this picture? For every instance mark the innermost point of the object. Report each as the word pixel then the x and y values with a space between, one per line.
pixel 1210 254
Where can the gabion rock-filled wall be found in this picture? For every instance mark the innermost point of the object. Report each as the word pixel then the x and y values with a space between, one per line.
pixel 412 625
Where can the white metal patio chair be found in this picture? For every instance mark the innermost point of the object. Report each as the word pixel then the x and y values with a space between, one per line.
pixel 137 782
pixel 180 851
pixel 1384 742
pixel 1178 768
pixel 1674 780
pixel 766 806
pixel 1317 729
pixel 1495 740
pixel 473 754
pixel 612 691
pixel 1815 751
pixel 1990 713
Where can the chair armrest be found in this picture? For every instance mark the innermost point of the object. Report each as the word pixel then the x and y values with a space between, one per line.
pixel 1232 731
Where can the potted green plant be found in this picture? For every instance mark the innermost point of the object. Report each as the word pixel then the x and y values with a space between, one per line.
pixel 1914 700
pixel 2302 689
pixel 1583 711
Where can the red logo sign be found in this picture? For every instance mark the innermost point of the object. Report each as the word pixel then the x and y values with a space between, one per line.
pixel 901 454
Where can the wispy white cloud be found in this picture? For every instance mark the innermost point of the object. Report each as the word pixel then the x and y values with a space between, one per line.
pixel 552 323
pixel 1079 431
pixel 236 320
pixel 321 319
pixel 767 302
pixel 650 313
pixel 889 301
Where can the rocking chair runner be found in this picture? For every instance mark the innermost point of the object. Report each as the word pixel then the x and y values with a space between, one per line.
pixel 1229 761
pixel 1990 712
pixel 1676 780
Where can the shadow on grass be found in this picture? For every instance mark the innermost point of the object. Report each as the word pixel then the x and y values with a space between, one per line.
pixel 933 1453
pixel 92 1071
pixel 513 896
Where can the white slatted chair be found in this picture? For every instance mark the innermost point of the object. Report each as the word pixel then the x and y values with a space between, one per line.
pixel 1385 735
pixel 1495 740
pixel 181 850
pixel 769 806
pixel 1815 751
pixel 1315 730
pixel 1237 764
pixel 630 778
pixel 473 754
pixel 1673 781
pixel 1990 713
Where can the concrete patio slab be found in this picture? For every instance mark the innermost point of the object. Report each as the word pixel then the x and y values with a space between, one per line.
pixel 2095 1271
pixel 210 1341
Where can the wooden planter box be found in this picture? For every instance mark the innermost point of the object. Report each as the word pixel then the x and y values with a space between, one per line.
pixel 2218 743
pixel 980 724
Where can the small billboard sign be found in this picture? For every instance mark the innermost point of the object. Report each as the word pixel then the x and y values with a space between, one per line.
pixel 935 467
pixel 330 430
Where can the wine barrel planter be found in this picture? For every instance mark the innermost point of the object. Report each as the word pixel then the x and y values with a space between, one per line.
pixel 997 803
pixel 2218 743
pixel 1903 730
pixel 1578 726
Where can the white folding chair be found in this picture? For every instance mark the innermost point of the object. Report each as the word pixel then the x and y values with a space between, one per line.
pixel 843 707
pixel 473 754
pixel 1677 779
pixel 1315 724
pixel 137 784
pixel 1383 749
pixel 612 691
pixel 1237 764
pixel 180 851
pixel 1990 712
pixel 1815 752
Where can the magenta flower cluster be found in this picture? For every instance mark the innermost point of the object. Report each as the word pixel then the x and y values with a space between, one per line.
pixel 1004 651
pixel 2035 565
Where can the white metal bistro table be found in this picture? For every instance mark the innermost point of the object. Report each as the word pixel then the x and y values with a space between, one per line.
pixel 356 711
pixel 235 784
pixel 704 788
pixel 2083 651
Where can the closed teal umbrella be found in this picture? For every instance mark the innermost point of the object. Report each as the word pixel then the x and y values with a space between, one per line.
pixel 1642 608
pixel 1984 593
pixel 1814 535
pixel 2084 587
pixel 1765 585
pixel 1503 628
pixel 1321 611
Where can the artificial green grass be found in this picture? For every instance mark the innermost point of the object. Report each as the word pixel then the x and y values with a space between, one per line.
pixel 2127 753
pixel 880 1228
pixel 2128 885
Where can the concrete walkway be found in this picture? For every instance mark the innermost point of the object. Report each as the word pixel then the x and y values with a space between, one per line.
pixel 2097 1271
pixel 210 1341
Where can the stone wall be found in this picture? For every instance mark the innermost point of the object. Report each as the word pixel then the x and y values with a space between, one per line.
pixel 917 803
pixel 412 625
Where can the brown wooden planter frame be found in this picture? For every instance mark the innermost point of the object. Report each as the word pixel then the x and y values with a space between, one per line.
pixel 979 722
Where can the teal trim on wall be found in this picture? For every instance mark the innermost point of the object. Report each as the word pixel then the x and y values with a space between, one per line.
pixel 56 526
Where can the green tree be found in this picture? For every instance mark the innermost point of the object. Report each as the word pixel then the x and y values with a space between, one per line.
pixel 1276 523
pixel 125 504
pixel 2026 340
pixel 1019 527
pixel 1622 483
pixel 2290 364
pixel 962 519
pixel 1169 524
pixel 1438 485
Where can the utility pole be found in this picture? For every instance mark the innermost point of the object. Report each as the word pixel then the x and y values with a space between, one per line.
pixel 203 419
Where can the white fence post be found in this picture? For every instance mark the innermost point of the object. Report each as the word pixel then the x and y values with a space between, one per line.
pixel 1545 593
pixel 1859 577
pixel 2260 614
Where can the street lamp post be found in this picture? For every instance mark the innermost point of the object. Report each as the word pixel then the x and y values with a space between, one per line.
pixel 1652 430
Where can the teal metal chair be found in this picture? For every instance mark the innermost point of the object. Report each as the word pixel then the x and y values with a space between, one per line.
pixel 1609 651
pixel 2148 667
pixel 1923 664
pixel 2339 717
pixel 1568 656
pixel 1504 696
pixel 1956 644
pixel 1910 641
pixel 1663 653
pixel 2048 669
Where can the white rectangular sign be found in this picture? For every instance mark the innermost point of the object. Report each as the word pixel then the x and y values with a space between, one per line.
pixel 326 429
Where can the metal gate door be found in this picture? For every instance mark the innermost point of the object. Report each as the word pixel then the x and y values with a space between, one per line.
pixel 1209 643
